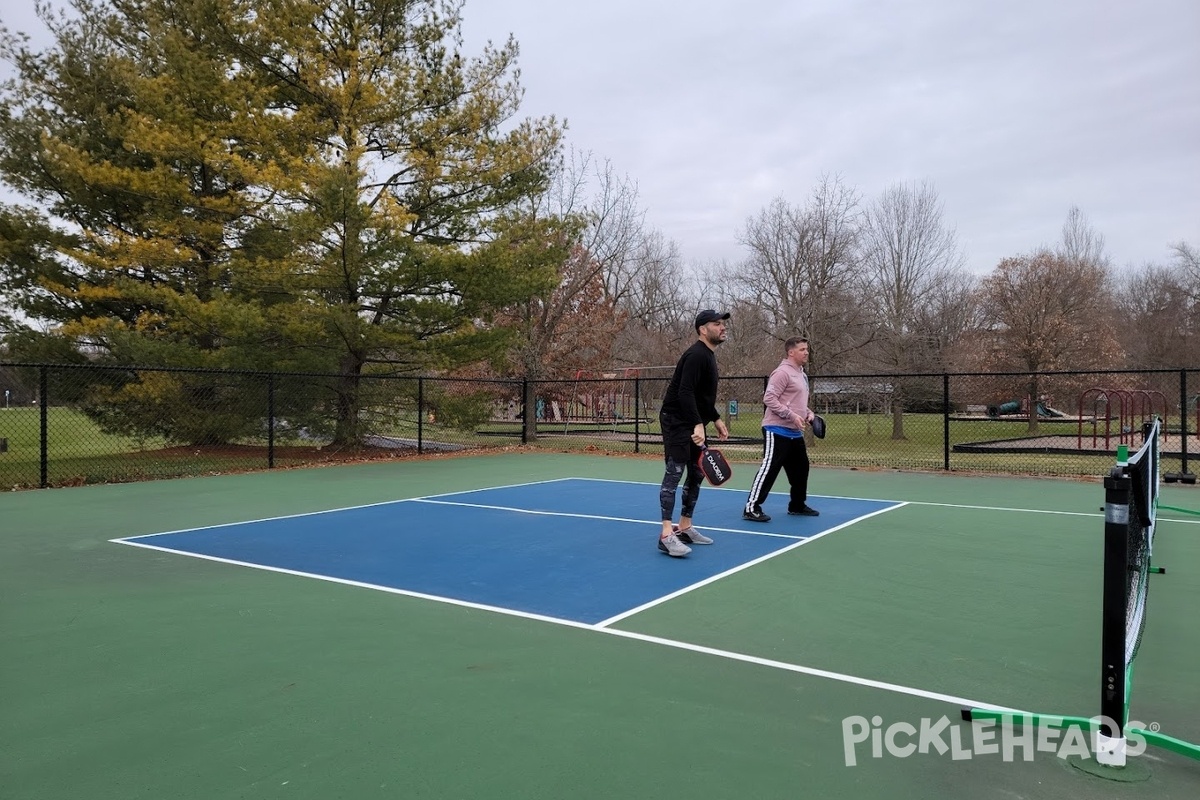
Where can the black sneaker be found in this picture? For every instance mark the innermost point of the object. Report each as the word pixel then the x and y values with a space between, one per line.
pixel 755 514
pixel 805 511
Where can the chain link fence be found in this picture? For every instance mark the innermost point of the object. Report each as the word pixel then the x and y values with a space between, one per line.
pixel 64 425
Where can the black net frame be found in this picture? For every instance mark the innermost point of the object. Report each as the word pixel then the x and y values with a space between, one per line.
pixel 1130 513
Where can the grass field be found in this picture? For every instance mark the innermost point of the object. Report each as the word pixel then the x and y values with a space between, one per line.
pixel 78 452
pixel 73 435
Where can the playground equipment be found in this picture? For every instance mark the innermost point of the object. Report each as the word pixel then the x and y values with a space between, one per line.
pixel 601 397
pixel 1133 406
pixel 1002 409
pixel 1044 410
pixel 1014 407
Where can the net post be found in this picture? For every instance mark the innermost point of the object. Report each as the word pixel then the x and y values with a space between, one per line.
pixel 1110 751
pixel 1109 737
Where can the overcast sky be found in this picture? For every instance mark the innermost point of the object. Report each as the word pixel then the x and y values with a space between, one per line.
pixel 1014 110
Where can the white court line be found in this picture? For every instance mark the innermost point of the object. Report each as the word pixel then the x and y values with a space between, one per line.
pixel 655 523
pixel 336 510
pixel 739 568
pixel 1185 520
pixel 878 500
pixel 1094 515
pixel 818 673
pixel 604 626
pixel 641 637
pixel 432 497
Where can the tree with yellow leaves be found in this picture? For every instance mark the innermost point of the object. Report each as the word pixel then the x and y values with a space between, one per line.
pixel 319 185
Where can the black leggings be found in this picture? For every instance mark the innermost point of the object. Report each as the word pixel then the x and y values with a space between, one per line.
pixel 681 454
pixel 670 482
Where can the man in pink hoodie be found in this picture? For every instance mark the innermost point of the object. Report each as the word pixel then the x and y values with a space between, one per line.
pixel 785 419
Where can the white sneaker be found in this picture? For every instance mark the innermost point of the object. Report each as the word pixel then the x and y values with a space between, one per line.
pixel 672 546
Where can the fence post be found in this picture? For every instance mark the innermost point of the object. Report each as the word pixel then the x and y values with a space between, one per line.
pixel 1183 419
pixel 946 420
pixel 420 416
pixel 525 411
pixel 637 413
pixel 43 382
pixel 270 420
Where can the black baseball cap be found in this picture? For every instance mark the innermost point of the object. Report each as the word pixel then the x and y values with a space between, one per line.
pixel 708 315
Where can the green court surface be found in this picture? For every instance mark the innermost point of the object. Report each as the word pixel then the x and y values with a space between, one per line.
pixel 131 673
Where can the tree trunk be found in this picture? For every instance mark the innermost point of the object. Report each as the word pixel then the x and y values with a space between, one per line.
pixel 898 413
pixel 346 387
pixel 1032 402
pixel 529 410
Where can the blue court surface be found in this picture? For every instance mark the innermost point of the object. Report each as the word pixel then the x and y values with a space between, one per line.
pixel 573 549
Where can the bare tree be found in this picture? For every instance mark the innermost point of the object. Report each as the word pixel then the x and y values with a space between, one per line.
pixel 657 303
pixel 1187 261
pixel 1160 310
pixel 952 319
pixel 602 266
pixel 802 272
pixel 650 292
pixel 607 203
pixel 1047 311
pixel 914 276
pixel 1080 241
pixel 1159 318
pixel 640 271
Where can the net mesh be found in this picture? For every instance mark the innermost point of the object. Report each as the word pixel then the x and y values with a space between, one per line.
pixel 1143 471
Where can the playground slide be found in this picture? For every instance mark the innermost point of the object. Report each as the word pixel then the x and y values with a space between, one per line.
pixel 1014 407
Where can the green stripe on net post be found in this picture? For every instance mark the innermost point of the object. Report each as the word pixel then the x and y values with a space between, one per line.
pixel 1166 742
pixel 1180 510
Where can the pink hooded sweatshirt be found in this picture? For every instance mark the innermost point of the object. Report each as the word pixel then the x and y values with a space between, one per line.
pixel 786 398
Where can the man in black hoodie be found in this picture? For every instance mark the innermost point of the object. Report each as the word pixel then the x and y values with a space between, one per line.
pixel 689 404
